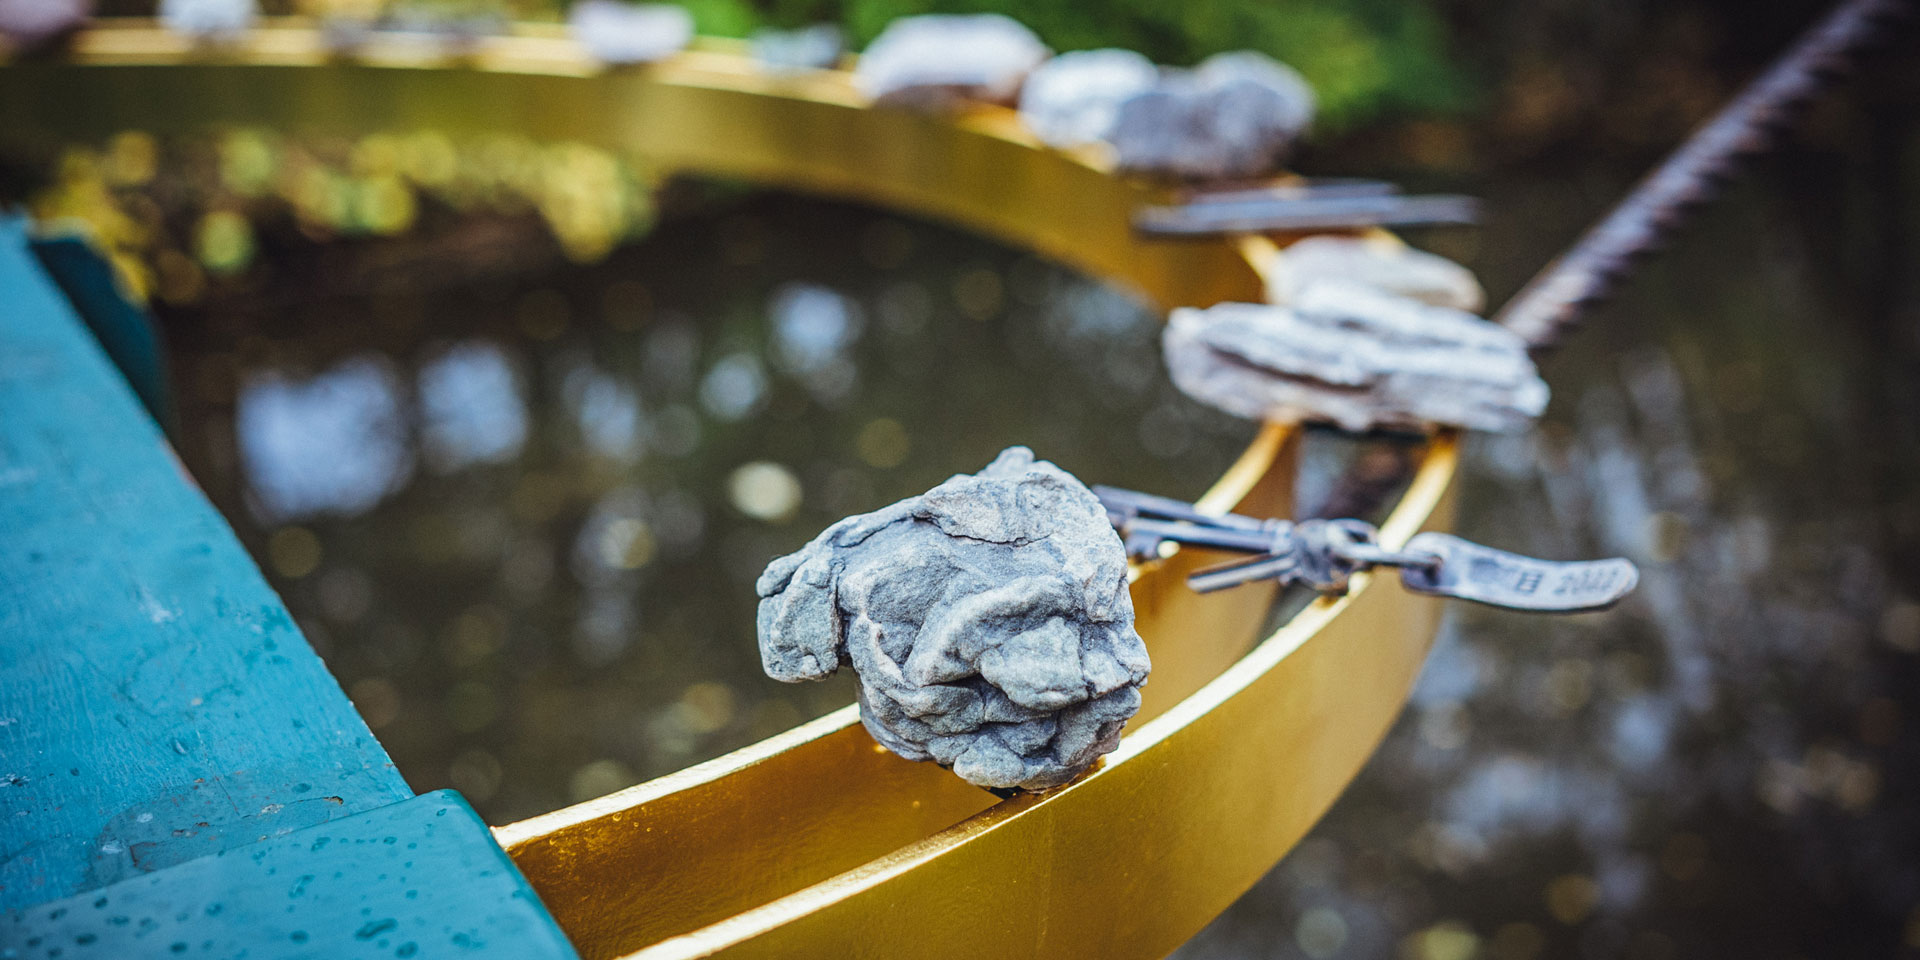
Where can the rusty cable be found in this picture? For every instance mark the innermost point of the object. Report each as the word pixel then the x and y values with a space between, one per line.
pixel 1554 302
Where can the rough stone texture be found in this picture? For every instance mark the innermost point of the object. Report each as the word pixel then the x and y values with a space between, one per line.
pixel 808 48
pixel 209 19
pixel 988 620
pixel 943 60
pixel 1235 115
pixel 1355 357
pixel 1074 98
pixel 1384 265
pixel 627 33
pixel 26 24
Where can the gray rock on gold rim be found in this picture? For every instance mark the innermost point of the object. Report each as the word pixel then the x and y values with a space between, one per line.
pixel 1357 358
pixel 988 620
pixel 1384 265
pixel 945 60
pixel 817 47
pixel 214 20
pixel 624 33
pixel 1236 115
pixel 1074 98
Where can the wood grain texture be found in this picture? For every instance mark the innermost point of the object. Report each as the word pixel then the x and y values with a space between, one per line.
pixel 157 703
pixel 380 884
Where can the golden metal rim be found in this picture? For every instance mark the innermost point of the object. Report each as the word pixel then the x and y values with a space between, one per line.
pixel 1424 500
pixel 710 109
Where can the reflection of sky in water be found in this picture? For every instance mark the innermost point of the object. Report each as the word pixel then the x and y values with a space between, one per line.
pixel 563 603
pixel 814 330
pixel 735 388
pixel 332 443
pixel 470 407
pixel 606 412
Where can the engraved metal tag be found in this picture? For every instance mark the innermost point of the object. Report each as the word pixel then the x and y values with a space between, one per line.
pixel 1470 571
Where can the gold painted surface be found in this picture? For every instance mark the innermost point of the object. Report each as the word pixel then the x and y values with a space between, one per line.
pixel 705 110
pixel 817 842
pixel 1136 857
pixel 675 854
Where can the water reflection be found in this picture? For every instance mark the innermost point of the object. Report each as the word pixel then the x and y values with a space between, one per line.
pixel 559 601
pixel 470 407
pixel 335 442
pixel 1723 766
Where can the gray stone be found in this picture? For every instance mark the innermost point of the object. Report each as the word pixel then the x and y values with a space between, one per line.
pixel 1385 265
pixel 939 61
pixel 1236 115
pixel 1355 357
pixel 221 20
pixel 988 620
pixel 791 51
pixel 624 33
pixel 1074 98
pixel 27 24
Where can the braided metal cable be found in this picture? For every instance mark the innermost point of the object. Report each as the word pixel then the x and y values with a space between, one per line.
pixel 1555 301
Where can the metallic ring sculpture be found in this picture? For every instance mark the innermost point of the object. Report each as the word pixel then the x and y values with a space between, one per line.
pixel 818 842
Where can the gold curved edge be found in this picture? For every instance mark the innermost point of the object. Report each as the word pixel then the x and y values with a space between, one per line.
pixel 755 829
pixel 1137 856
pixel 704 110
pixel 692 848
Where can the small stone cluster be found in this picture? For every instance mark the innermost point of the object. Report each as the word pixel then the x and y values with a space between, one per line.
pixel 945 60
pixel 1382 263
pixel 209 20
pixel 988 620
pixel 793 51
pixel 27 25
pixel 1356 357
pixel 1235 115
pixel 625 33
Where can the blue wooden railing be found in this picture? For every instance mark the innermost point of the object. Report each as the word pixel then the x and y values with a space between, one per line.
pixel 179 773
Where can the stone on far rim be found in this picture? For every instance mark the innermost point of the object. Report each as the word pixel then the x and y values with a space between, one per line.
pixel 26 24
pixel 1074 98
pixel 209 19
pixel 1235 116
pixel 945 60
pixel 1379 262
pixel 1357 358
pixel 624 33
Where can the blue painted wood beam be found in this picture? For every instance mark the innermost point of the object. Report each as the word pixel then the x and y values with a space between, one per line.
pixel 421 879
pixel 124 328
pixel 157 703
pixel 179 773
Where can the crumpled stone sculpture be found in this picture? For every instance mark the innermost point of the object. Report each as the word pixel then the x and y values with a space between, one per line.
pixel 938 61
pixel 624 33
pixel 1073 99
pixel 211 20
pixel 29 24
pixel 1385 265
pixel 988 620
pixel 1355 357
pixel 1236 115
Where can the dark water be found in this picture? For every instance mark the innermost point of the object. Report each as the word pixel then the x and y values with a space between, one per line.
pixel 1726 765
pixel 519 514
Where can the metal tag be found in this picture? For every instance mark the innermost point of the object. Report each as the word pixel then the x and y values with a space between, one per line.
pixel 1497 578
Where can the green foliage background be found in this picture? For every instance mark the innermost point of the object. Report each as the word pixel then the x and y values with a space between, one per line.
pixel 1366 58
